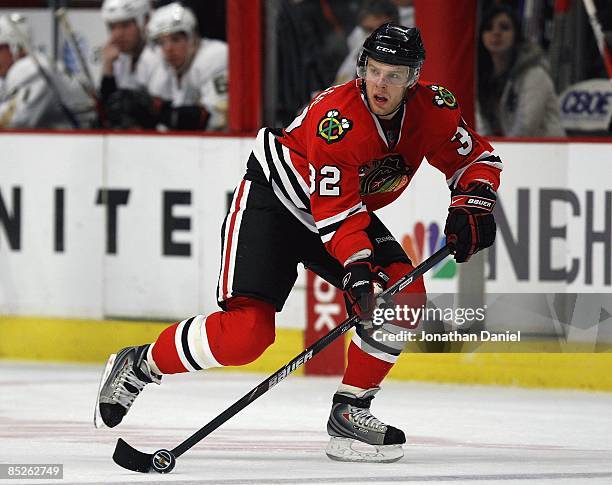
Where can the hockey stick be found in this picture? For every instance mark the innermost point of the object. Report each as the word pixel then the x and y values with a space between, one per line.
pixel 46 76
pixel 163 461
pixel 606 55
pixel 90 89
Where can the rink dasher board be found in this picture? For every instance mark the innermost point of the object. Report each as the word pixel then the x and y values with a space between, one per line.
pixel 178 189
pixel 129 226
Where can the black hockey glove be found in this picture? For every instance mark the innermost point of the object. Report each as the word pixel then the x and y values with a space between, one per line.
pixel 470 225
pixel 361 283
pixel 128 108
pixel 183 117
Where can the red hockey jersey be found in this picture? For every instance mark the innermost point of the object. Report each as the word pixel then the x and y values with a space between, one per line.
pixel 333 163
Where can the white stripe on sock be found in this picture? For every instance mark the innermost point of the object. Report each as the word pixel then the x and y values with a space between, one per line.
pixel 207 353
pixel 378 354
pixel 198 344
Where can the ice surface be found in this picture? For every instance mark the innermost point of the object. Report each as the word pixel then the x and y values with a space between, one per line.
pixel 456 434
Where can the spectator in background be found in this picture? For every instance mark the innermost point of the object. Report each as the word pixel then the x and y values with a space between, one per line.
pixel 127 61
pixel 516 95
pixel 373 14
pixel 33 94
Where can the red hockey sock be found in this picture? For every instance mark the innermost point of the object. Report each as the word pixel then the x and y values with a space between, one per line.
pixel 234 337
pixel 363 370
pixel 165 354
pixel 366 370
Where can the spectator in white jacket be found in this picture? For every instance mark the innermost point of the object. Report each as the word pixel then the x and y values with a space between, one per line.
pixel 516 95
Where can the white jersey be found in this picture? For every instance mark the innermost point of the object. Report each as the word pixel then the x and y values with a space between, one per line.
pixel 203 84
pixel 136 77
pixel 29 102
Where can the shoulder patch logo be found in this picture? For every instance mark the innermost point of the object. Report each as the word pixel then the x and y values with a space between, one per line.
pixel 332 127
pixel 443 98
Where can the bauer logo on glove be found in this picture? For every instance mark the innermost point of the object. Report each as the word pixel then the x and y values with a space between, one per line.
pixel 470 225
pixel 465 201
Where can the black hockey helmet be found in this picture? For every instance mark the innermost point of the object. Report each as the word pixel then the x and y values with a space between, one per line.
pixel 393 44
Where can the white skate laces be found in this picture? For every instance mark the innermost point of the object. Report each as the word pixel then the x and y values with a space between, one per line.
pixel 124 395
pixel 364 418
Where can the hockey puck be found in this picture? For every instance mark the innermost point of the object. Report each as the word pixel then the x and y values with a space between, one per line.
pixel 163 461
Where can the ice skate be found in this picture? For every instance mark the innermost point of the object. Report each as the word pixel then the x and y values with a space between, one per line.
pixel 356 435
pixel 125 375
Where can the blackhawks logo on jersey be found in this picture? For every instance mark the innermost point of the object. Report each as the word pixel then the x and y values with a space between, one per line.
pixel 332 127
pixel 387 175
pixel 443 98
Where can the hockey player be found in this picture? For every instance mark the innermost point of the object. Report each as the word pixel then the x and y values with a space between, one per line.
pixel 188 91
pixel 128 62
pixel 192 83
pixel 309 195
pixel 33 94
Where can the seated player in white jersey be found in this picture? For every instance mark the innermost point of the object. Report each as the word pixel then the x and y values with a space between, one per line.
pixel 33 94
pixel 188 90
pixel 192 83
pixel 128 61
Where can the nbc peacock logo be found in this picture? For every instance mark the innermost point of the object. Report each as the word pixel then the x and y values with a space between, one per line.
pixel 423 242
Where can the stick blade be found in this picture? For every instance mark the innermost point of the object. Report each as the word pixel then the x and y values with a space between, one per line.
pixel 130 458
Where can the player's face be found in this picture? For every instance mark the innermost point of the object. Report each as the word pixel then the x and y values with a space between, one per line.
pixel 498 37
pixel 385 86
pixel 126 36
pixel 6 59
pixel 175 49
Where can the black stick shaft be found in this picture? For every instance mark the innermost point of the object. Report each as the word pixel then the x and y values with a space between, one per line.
pixel 305 356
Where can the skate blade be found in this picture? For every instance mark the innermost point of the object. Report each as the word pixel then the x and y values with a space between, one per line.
pixel 98 423
pixel 345 449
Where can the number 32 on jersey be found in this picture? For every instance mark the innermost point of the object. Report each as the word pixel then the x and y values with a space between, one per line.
pixel 328 182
